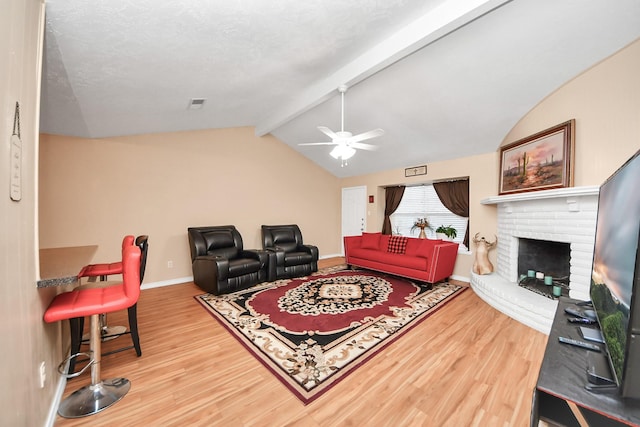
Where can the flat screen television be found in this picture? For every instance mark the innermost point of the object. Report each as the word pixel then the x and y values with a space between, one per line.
pixel 615 277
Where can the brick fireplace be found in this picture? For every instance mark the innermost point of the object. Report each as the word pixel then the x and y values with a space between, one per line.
pixel 566 215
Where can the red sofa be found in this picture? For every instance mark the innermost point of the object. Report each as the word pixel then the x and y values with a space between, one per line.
pixel 424 260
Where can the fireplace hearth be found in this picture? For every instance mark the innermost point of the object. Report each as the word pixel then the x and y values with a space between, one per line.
pixel 557 230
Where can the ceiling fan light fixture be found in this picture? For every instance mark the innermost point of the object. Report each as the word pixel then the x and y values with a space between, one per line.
pixel 343 152
pixel 345 142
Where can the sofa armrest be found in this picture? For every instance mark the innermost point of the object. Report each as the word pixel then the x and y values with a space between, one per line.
pixel 350 243
pixel 443 261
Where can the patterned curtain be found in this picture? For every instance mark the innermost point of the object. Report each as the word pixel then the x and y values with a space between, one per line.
pixel 454 195
pixel 392 198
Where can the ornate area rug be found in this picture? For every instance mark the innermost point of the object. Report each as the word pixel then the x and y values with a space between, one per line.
pixel 312 331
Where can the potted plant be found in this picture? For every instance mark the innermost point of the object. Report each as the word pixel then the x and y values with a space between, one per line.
pixel 421 223
pixel 446 233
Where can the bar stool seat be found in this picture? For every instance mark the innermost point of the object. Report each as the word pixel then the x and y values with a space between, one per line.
pixel 97 270
pixel 100 394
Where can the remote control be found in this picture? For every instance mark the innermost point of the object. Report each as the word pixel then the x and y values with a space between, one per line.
pixel 581 320
pixel 585 314
pixel 578 343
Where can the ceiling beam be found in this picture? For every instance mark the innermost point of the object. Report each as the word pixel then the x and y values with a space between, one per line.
pixel 437 23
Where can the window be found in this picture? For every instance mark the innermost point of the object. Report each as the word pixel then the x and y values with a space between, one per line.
pixel 420 202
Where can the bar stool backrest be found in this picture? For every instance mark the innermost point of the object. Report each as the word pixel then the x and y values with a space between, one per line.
pixel 131 273
pixel 143 243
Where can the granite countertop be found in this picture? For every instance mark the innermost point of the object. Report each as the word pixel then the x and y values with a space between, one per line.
pixel 60 266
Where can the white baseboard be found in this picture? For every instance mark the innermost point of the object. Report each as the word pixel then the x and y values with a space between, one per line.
pixel 57 398
pixel 169 282
pixel 461 278
pixel 331 256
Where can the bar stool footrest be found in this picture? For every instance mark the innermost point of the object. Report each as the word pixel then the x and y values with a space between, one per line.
pixel 62 366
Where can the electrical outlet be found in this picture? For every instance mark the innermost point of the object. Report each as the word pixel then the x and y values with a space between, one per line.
pixel 169 264
pixel 43 373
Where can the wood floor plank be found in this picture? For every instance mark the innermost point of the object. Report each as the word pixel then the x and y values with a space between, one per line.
pixel 467 364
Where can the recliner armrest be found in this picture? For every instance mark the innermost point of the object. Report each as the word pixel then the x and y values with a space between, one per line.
pixel 279 254
pixel 310 249
pixel 257 254
pixel 208 270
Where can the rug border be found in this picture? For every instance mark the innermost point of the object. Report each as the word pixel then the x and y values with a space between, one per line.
pixel 321 389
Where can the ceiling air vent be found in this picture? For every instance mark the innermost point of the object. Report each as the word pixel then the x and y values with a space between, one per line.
pixel 196 103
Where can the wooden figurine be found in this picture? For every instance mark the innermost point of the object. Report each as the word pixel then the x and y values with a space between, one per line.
pixel 482 265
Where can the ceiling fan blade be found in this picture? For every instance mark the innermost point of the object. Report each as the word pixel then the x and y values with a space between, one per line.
pixel 366 135
pixel 319 143
pixel 362 146
pixel 331 134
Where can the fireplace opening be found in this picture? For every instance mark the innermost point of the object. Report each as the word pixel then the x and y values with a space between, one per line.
pixel 544 258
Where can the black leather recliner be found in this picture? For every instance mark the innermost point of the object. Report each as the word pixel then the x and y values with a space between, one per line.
pixel 221 265
pixel 292 257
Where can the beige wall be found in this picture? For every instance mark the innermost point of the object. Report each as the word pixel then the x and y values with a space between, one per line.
pixel 96 191
pixel 605 102
pixel 26 339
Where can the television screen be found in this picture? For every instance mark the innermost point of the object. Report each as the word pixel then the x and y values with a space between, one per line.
pixel 614 259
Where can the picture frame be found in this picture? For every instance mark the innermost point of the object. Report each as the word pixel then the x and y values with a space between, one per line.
pixel 542 161
pixel 415 171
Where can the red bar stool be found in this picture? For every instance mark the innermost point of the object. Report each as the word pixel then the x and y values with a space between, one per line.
pixel 100 394
pixel 77 324
pixel 102 271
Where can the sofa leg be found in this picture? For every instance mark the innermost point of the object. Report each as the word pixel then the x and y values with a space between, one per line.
pixel 427 285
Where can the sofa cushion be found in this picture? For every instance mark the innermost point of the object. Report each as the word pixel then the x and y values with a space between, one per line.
pixel 398 260
pixel 421 247
pixel 403 260
pixel 370 240
pixel 397 244
pixel 413 246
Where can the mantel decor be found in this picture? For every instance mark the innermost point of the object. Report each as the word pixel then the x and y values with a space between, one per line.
pixel 542 161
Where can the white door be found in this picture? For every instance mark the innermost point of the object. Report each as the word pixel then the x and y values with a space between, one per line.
pixel 354 211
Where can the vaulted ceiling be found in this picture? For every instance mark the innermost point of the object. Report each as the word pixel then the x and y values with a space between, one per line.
pixel 443 78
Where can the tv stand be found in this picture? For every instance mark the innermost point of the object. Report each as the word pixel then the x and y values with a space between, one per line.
pixel 564 395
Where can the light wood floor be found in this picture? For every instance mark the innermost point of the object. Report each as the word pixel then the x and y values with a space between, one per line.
pixel 466 365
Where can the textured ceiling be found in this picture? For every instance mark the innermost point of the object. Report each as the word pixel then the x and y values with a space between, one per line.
pixel 443 78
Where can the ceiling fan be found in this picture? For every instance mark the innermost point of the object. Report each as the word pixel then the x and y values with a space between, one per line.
pixel 346 143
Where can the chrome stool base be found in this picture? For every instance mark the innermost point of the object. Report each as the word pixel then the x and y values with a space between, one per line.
pixel 100 394
pixel 92 399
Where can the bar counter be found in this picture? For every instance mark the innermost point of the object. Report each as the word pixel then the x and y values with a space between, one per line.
pixel 60 266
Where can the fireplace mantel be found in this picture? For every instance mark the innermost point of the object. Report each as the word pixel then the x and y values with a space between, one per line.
pixel 566 215
pixel 545 194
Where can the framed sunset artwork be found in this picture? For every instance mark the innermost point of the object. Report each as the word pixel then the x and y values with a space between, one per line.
pixel 542 161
